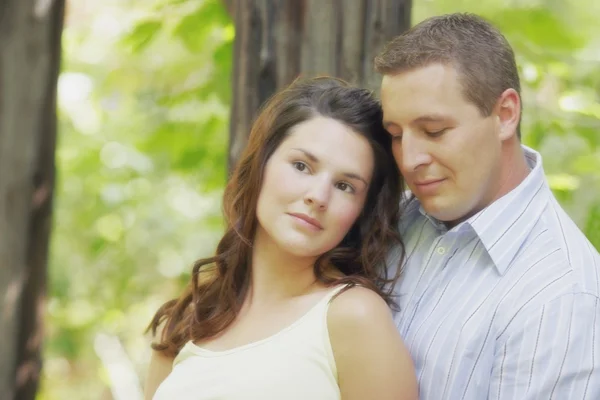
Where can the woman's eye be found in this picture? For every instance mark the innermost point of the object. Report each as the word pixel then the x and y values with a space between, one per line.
pixel 300 166
pixel 345 187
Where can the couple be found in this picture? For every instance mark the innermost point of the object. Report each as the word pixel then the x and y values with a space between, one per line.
pixel 494 291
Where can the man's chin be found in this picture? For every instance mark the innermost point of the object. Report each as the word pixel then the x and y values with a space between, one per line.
pixel 442 211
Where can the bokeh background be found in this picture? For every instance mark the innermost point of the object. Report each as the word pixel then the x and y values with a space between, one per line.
pixel 144 101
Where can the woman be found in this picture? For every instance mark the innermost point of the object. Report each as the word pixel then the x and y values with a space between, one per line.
pixel 292 306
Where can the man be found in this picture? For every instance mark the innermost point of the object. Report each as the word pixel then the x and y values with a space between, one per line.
pixel 499 294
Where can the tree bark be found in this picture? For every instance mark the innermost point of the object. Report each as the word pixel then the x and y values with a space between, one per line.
pixel 279 40
pixel 30 48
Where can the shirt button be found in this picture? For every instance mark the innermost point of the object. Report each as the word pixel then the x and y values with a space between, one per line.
pixel 441 250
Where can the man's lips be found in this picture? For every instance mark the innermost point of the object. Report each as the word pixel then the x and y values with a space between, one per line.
pixel 428 182
pixel 307 219
pixel 428 186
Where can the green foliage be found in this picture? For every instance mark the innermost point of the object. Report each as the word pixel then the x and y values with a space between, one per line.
pixel 144 99
pixel 538 28
pixel 144 114
pixel 592 226
pixel 142 35
pixel 194 29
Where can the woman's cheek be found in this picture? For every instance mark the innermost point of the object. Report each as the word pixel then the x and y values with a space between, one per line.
pixel 282 179
pixel 345 218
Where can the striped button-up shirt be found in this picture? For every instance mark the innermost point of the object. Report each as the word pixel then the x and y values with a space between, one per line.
pixel 506 304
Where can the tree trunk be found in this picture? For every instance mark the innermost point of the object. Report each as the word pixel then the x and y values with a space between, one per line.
pixel 278 40
pixel 30 37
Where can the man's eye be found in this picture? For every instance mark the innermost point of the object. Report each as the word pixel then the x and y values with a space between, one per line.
pixel 436 133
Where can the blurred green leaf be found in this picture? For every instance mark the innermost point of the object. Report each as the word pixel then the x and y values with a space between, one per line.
pixel 592 227
pixel 538 27
pixel 587 164
pixel 195 28
pixel 142 35
pixel 563 182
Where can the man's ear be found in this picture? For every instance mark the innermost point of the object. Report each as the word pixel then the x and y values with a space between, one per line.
pixel 508 111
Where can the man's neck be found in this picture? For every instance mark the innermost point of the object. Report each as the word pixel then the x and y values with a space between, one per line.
pixel 513 172
pixel 515 168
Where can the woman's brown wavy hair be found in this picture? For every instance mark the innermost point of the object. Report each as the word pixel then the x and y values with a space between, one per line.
pixel 219 284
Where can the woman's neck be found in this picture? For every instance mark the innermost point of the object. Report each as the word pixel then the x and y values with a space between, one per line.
pixel 276 274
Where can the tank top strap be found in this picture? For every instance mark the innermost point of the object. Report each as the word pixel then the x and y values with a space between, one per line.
pixel 314 320
pixel 332 293
pixel 324 330
pixel 185 352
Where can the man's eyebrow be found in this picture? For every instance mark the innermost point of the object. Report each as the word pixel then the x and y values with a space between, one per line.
pixel 421 119
pixel 431 118
pixel 349 175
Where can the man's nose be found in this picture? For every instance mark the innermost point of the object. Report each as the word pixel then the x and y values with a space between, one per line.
pixel 415 152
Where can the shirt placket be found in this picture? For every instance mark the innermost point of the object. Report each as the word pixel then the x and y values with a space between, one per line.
pixel 440 253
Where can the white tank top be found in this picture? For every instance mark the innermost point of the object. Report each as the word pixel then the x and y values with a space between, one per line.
pixel 295 363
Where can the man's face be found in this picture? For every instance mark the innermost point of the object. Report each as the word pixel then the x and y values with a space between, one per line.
pixel 449 154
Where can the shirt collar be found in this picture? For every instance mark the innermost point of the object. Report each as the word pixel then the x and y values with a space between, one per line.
pixel 501 226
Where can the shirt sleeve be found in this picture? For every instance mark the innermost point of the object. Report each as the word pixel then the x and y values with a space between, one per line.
pixel 552 352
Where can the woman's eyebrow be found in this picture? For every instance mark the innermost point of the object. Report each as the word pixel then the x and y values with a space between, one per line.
pixel 349 175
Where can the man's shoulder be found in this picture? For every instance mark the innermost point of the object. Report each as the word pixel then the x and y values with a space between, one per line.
pixel 556 245
pixel 556 267
pixel 576 247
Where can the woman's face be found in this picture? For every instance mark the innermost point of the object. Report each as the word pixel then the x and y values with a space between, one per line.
pixel 314 187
